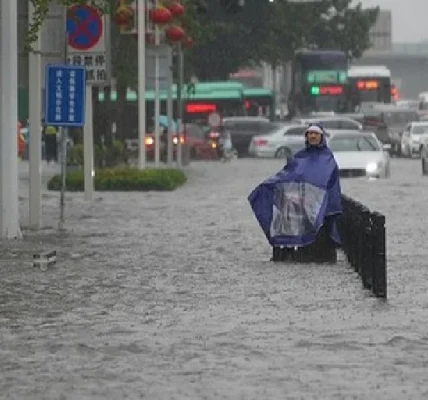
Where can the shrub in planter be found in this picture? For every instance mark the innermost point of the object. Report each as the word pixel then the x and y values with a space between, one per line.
pixel 75 155
pixel 104 156
pixel 114 154
pixel 123 180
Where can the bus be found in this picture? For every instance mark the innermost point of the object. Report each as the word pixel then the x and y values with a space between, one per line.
pixel 200 99
pixel 318 82
pixel 368 84
pixel 259 102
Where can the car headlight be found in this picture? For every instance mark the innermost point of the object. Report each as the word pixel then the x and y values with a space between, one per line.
pixel 371 168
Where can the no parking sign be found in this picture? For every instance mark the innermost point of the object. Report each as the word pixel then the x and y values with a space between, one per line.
pixel 214 120
pixel 88 42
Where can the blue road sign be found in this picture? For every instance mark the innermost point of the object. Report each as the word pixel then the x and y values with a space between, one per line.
pixel 65 95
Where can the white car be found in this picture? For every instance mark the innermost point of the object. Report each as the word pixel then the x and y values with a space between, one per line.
pixel 279 143
pixel 411 139
pixel 335 122
pixel 360 154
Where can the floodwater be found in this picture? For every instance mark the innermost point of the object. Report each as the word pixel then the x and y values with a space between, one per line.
pixel 172 296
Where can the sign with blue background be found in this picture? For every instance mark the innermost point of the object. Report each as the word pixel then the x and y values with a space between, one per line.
pixel 65 95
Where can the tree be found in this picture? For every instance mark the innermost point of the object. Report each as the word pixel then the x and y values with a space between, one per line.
pixel 221 45
pixel 283 33
pixel 343 27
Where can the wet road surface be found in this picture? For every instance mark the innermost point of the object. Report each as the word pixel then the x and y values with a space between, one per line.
pixel 171 296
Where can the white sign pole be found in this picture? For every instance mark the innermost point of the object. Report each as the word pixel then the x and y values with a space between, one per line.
pixel 88 146
pixel 180 104
pixel 35 89
pixel 170 111
pixel 141 21
pixel 63 143
pixel 157 99
pixel 9 214
pixel 63 159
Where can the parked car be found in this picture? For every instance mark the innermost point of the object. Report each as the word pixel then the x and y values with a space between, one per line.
pixel 360 154
pixel 242 130
pixel 279 143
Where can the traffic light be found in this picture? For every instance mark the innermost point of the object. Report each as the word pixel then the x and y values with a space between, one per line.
pixel 232 6
pixel 315 90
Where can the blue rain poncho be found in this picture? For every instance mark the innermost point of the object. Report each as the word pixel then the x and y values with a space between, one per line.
pixel 293 205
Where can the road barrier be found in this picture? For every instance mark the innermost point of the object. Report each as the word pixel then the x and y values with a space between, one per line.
pixel 363 237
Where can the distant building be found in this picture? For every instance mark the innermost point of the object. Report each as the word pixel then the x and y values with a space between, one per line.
pixel 381 32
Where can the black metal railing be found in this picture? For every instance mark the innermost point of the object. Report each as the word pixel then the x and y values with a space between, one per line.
pixel 363 237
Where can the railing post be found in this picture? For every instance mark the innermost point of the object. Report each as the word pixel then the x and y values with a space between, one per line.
pixel 366 249
pixel 379 256
pixel 276 253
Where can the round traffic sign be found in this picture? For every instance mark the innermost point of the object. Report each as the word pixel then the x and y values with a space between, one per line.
pixel 84 27
pixel 214 119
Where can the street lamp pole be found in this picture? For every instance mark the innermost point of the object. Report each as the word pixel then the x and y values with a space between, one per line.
pixel 141 32
pixel 35 156
pixel 9 214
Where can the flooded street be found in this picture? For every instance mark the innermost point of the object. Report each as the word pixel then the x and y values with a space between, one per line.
pixel 172 296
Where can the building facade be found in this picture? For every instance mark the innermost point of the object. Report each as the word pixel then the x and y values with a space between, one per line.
pixel 381 32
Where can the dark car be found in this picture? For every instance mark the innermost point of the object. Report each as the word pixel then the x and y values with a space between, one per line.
pixel 242 130
pixel 389 123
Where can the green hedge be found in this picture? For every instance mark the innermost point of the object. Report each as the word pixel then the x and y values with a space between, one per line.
pixel 123 180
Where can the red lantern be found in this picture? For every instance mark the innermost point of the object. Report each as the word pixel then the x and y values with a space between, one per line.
pixel 174 33
pixel 176 8
pixel 188 42
pixel 123 15
pixel 160 15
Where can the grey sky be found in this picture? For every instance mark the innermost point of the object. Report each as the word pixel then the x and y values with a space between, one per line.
pixel 409 18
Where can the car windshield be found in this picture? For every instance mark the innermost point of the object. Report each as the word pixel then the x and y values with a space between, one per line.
pixel 419 130
pixel 354 143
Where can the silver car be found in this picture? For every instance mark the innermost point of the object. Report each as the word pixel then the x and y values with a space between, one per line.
pixel 360 154
pixel 279 143
pixel 424 154
pixel 411 139
pixel 334 122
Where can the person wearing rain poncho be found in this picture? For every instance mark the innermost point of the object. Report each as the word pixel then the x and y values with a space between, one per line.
pixel 301 199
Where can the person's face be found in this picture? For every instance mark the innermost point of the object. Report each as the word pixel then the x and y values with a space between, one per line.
pixel 314 138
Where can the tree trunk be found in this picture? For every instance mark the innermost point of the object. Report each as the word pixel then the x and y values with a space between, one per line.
pixel 275 91
pixel 108 115
pixel 120 111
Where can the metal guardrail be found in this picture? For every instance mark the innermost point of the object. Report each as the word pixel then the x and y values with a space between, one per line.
pixel 363 237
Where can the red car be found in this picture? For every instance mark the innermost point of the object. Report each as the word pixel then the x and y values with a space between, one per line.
pixel 194 137
pixel 150 146
pixel 201 148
